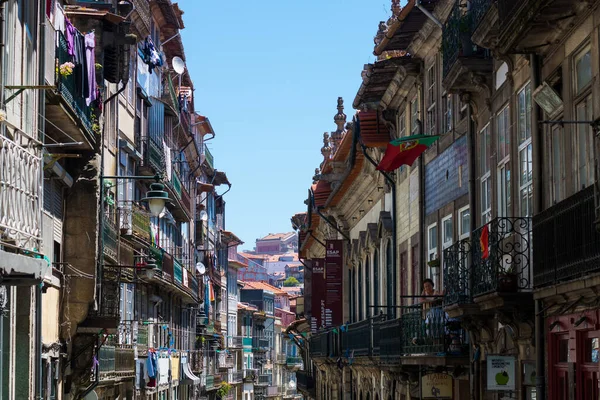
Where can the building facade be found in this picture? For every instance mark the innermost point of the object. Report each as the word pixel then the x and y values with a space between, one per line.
pixel 508 254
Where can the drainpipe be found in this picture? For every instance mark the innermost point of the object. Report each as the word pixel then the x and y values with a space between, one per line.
pixel 428 14
pixel 538 190
pixel 38 340
pixel 391 286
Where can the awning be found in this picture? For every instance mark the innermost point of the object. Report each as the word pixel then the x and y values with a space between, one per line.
pixel 188 376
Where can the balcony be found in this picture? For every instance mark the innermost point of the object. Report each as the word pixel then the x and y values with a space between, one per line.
pixel 208 157
pixel 20 197
pixel 225 361
pixel 293 363
pixel 263 380
pixel 176 189
pixel 235 377
pixel 70 118
pixel 566 242
pixel 305 382
pixel 478 282
pixel 153 156
pixel 115 362
pixel 134 221
pixel 259 344
pixel 217 380
pixel 236 342
pixel 196 361
pixel 110 237
pixel 280 358
pixel 529 25
pixel 250 375
pixel 466 66
pixel 273 391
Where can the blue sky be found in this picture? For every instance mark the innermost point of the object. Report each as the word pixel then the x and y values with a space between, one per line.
pixel 268 74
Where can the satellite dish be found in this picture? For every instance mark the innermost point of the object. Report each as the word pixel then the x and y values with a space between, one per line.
pixel 200 268
pixel 203 216
pixel 178 65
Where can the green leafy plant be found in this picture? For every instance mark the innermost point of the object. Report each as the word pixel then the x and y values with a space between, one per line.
pixel 224 389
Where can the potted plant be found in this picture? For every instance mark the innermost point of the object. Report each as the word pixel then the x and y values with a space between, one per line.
pixel 435 263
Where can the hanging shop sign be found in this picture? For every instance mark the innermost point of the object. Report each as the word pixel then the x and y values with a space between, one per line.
pixel 501 373
pixel 436 386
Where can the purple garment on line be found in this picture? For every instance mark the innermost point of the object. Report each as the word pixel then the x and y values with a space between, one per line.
pixel 70 37
pixel 90 44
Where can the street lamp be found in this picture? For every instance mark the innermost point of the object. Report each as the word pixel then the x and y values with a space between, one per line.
pixel 156 198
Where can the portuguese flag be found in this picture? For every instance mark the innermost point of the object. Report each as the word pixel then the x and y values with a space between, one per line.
pixel 404 151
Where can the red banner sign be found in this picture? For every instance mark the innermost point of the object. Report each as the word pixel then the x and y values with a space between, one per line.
pixel 334 275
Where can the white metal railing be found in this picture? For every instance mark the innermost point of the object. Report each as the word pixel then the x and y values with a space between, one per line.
pixel 20 199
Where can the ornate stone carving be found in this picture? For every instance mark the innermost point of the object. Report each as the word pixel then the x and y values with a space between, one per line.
pixel 326 150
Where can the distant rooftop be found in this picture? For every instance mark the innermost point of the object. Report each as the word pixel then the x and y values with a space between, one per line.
pixel 277 236
pixel 264 286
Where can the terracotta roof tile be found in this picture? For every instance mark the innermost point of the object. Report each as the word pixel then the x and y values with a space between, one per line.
pixel 264 286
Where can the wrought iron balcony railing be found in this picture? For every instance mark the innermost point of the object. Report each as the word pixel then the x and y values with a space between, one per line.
pixel 497 258
pixel 293 361
pixel 110 237
pixel 235 377
pixel 565 239
pixel 305 381
pixel 67 87
pixel 260 344
pixel 153 155
pixel 225 361
pixel 390 339
pixel 319 344
pixel 20 197
pixel 457 32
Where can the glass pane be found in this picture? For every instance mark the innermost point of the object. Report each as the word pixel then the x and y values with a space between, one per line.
pixel 583 69
pixel 522 117
pixel 563 350
pixel 433 237
pixel 447 230
pixel 465 222
pixel 592 345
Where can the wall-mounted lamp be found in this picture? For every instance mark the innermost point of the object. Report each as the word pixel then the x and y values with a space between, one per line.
pixel 157 199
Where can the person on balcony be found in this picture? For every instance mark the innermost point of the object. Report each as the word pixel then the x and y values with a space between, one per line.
pixel 433 315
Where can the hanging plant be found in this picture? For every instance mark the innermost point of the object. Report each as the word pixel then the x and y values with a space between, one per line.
pixel 66 69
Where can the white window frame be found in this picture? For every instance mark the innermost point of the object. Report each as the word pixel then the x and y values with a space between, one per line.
pixel 485 174
pixel 577 89
pixel 447 112
pixel 461 234
pixel 525 151
pixel 431 109
pixel 414 115
pixel 402 125
pixel 557 155
pixel 431 250
pixel 504 192
pixel 583 160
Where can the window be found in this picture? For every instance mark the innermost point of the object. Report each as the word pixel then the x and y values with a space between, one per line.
pixel 484 172
pixel 431 110
pixel 360 293
pixel 402 125
pixel 447 112
pixel 447 237
pixel 583 69
pixel 584 145
pixel 368 302
pixel 432 238
pixel 376 277
pixel 558 164
pixel 503 151
pixel 464 222
pixel 525 152
pixel 414 116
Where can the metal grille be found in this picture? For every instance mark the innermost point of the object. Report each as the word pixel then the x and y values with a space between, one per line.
pixel 20 202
